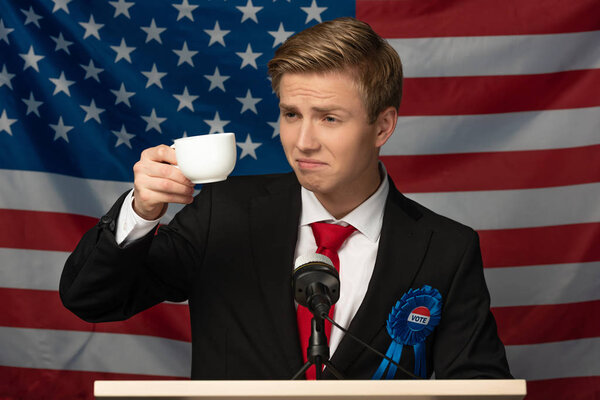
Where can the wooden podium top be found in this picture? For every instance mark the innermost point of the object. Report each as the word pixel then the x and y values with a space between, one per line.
pixel 304 390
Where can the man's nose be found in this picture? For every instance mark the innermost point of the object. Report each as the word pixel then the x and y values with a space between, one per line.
pixel 307 138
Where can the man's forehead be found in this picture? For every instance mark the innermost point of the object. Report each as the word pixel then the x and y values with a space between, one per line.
pixel 321 87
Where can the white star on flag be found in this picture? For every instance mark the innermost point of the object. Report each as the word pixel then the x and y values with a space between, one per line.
pixel 32 17
pixel 61 5
pixel 121 7
pixel 61 130
pixel 6 122
pixel 123 137
pixel 61 43
pixel 122 95
pixel 153 121
pixel 185 99
pixel 216 125
pixel 185 55
pixel 31 59
pixel 275 126
pixel 248 147
pixel 185 10
pixel 91 71
pixel 32 105
pixel 92 112
pixel 248 102
pixel 123 51
pixel 248 57
pixel 313 12
pixel 154 77
pixel 217 35
pixel 5 77
pixel 4 31
pixel 91 28
pixel 217 80
pixel 61 84
pixel 153 32
pixel 249 11
pixel 280 35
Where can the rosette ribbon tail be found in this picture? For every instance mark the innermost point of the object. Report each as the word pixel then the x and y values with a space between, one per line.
pixel 394 352
pixel 420 360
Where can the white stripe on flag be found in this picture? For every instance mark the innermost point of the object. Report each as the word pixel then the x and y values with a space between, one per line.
pixel 34 269
pixel 571 358
pixel 505 209
pixel 509 286
pixel 62 194
pixel 31 269
pixel 531 130
pixel 94 351
pixel 42 191
pixel 495 209
pixel 543 284
pixel 498 55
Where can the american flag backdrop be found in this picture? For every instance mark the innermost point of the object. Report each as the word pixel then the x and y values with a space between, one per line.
pixel 499 129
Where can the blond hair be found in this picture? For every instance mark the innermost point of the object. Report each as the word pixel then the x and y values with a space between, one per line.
pixel 344 45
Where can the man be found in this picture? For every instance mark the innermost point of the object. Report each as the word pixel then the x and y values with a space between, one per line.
pixel 230 251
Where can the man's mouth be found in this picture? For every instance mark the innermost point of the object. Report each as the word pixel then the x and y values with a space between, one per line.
pixel 309 163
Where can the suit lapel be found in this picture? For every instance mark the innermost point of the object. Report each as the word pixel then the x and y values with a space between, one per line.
pixel 274 227
pixel 402 247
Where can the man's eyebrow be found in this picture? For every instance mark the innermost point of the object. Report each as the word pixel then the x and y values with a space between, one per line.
pixel 286 107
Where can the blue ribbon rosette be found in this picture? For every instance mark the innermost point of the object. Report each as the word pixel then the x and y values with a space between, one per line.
pixel 412 319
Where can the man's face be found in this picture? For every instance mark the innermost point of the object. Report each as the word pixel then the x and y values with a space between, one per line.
pixel 326 135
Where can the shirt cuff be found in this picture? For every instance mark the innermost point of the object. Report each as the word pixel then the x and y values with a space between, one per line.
pixel 131 226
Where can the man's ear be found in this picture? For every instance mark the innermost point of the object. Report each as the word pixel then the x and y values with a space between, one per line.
pixel 386 124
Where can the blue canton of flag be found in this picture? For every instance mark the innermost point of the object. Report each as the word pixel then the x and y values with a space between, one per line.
pixel 85 86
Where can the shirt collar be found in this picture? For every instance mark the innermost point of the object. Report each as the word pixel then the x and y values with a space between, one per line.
pixel 367 218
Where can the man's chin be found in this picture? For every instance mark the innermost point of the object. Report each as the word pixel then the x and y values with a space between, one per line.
pixel 311 183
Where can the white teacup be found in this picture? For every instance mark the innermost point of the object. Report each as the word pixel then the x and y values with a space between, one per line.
pixel 206 158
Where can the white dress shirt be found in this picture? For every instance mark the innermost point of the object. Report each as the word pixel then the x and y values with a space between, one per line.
pixel 357 254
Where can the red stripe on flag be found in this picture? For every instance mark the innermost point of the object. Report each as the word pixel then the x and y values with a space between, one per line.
pixel 42 309
pixel 437 18
pixel 559 244
pixel 459 95
pixel 42 230
pixel 547 323
pixel 42 384
pixel 581 388
pixel 494 171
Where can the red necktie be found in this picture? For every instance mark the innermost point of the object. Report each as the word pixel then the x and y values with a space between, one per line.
pixel 329 239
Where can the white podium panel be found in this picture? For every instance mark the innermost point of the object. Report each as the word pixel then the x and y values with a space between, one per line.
pixel 305 390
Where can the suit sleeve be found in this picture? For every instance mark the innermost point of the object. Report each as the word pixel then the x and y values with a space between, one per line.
pixel 467 343
pixel 102 281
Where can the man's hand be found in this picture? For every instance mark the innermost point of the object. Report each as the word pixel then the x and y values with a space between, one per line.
pixel 157 182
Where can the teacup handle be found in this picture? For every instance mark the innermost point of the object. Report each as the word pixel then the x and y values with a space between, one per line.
pixel 173 147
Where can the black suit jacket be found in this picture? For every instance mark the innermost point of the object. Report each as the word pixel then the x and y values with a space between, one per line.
pixel 230 253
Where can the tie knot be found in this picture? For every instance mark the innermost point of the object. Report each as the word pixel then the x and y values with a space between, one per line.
pixel 331 236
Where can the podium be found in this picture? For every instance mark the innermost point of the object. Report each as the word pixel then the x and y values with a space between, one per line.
pixel 498 389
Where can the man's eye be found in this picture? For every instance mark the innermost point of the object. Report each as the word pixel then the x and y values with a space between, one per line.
pixel 331 119
pixel 289 115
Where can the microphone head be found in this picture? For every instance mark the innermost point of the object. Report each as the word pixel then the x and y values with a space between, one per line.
pixel 310 258
pixel 315 277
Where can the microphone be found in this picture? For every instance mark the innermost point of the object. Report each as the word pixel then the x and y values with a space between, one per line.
pixel 316 283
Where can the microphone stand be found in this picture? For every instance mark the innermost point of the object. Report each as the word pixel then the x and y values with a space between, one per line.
pixel 318 351
pixel 316 285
